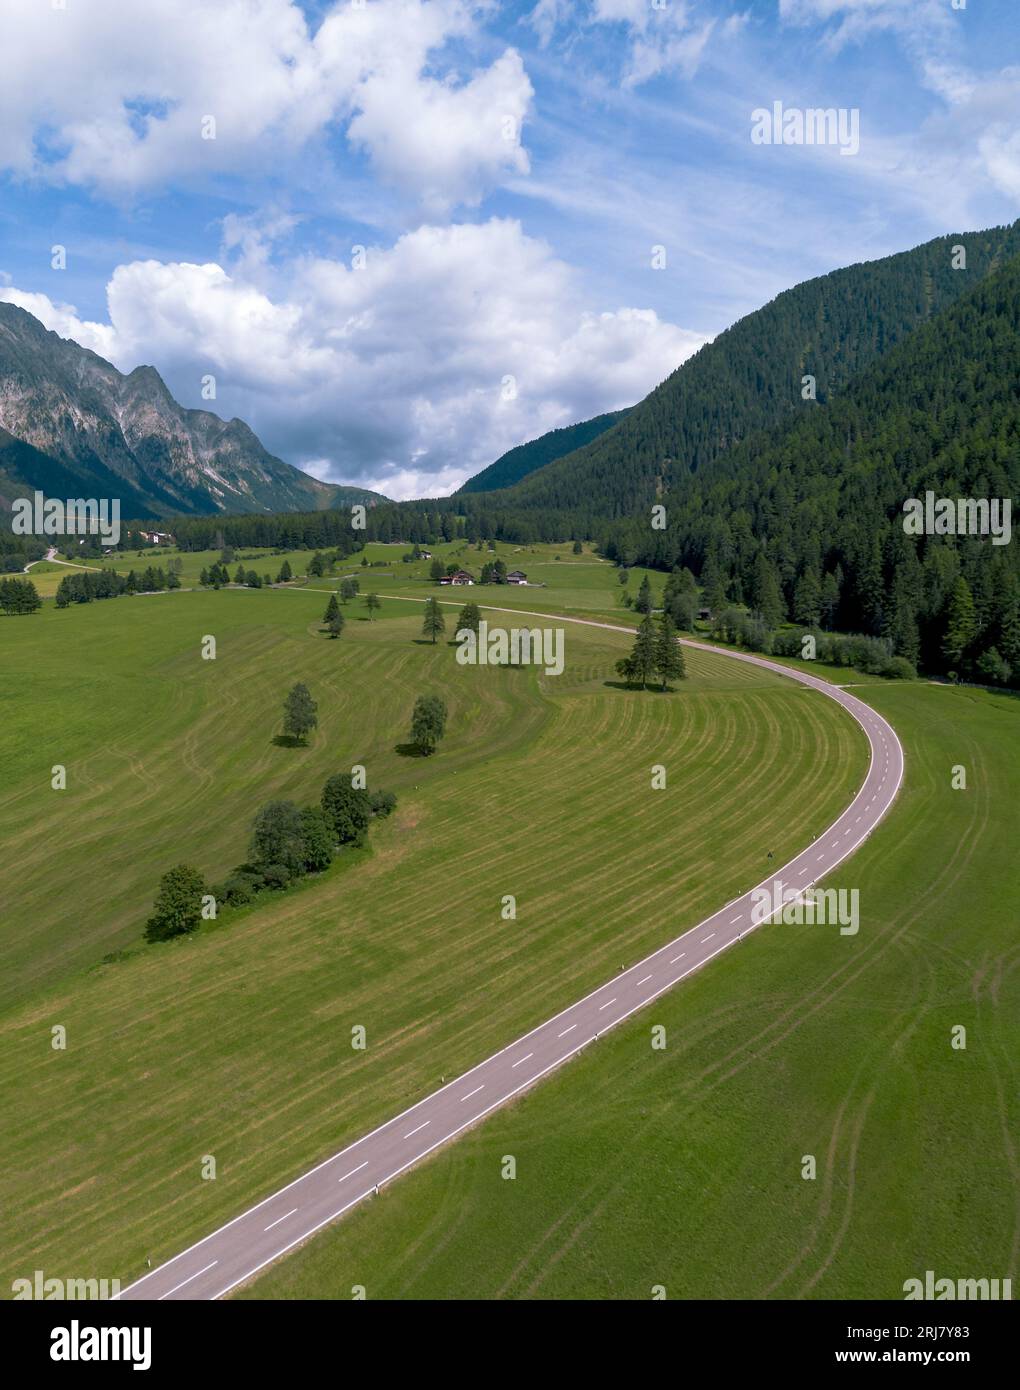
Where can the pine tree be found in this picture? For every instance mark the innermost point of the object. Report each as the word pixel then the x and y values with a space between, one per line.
pixel 332 610
pixel 766 596
pixel 372 602
pixel 470 617
pixel 807 599
pixel 336 624
pixel 961 625
pixel 434 624
pixel 643 602
pixel 642 658
pixel 669 655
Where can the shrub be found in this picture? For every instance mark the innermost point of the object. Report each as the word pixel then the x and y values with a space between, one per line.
pixel 346 808
pixel 382 803
pixel 276 875
pixel 319 841
pixel 178 905
pixel 900 669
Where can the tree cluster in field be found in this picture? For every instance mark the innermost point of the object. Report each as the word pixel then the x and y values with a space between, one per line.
pixel 657 654
pixel 284 531
pixel 873 655
pixel 18 596
pixel 89 585
pixel 18 551
pixel 287 842
pixel 217 576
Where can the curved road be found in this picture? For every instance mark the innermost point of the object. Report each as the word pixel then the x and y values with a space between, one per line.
pixel 232 1254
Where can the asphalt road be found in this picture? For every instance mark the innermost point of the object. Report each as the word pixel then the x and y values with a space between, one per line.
pixel 231 1255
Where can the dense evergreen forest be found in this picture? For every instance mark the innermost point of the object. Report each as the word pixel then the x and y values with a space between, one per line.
pixel 807 523
pixel 750 377
pixel 517 463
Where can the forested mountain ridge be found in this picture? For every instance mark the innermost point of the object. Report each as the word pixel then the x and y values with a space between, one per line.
pixel 517 463
pixel 125 436
pixel 807 522
pixel 749 378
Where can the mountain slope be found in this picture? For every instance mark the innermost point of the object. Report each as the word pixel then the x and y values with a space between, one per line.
pixel 749 378
pixel 126 436
pixel 808 521
pixel 517 463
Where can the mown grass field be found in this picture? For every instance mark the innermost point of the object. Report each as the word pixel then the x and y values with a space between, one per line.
pixel 682 1168
pixel 236 1043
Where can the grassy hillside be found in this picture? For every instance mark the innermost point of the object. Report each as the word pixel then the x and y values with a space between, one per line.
pixel 236 1043
pixel 683 1167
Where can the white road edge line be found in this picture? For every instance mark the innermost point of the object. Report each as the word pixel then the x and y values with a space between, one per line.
pixel 185 1281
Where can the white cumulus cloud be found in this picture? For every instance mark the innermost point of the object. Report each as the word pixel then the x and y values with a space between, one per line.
pixel 409 374
pixel 125 98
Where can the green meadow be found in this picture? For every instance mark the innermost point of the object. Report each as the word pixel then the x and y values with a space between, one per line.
pixel 235 1043
pixel 683 1168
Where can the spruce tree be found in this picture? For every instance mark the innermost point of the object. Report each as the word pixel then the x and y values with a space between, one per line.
pixel 669 655
pixel 642 658
pixel 961 625
pixel 470 617
pixel 434 624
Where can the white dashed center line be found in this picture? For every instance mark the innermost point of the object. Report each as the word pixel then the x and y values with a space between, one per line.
pixel 607 1003
pixel 566 1031
pixel 279 1219
pixel 708 937
pixel 523 1059
pixel 353 1171
pixel 679 957
pixel 418 1130
pixel 645 980
pixel 472 1093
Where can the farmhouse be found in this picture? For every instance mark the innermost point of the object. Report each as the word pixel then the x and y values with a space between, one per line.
pixel 424 554
pixel 156 537
pixel 517 577
pixel 458 577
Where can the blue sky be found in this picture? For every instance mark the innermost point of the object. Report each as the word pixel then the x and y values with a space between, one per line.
pixel 508 170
